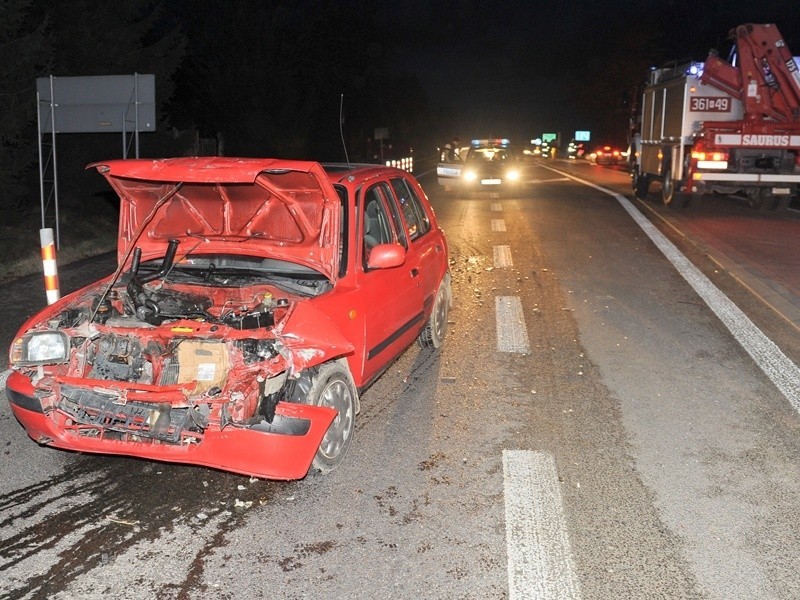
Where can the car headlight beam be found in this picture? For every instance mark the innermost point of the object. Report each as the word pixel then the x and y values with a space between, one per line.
pixel 40 348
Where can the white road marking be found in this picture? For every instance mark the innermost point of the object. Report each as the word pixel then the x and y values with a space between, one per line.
pixel 540 563
pixel 512 332
pixel 769 358
pixel 496 207
pixel 498 225
pixel 546 180
pixel 502 257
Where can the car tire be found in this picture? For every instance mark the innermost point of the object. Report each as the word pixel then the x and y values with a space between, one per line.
pixel 436 328
pixel 330 384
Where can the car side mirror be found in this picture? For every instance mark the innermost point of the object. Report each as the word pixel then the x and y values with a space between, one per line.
pixel 386 256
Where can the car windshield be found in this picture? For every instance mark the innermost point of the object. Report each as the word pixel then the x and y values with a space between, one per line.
pixel 230 270
pixel 490 155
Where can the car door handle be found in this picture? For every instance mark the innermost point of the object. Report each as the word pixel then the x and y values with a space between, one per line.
pixel 414 272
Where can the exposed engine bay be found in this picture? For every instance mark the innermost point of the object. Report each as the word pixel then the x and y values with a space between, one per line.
pixel 150 359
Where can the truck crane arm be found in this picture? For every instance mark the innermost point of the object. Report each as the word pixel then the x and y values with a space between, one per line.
pixel 766 78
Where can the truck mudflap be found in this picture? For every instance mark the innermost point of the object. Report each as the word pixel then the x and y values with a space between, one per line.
pixel 283 449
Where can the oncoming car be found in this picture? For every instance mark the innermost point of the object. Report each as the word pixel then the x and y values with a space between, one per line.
pixel 253 301
pixel 487 165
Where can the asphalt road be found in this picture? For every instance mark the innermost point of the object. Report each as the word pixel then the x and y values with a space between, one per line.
pixel 603 421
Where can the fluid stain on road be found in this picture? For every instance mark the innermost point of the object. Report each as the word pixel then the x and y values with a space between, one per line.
pixel 99 507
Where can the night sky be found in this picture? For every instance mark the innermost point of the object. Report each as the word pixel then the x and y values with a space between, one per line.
pixel 520 68
pixel 265 77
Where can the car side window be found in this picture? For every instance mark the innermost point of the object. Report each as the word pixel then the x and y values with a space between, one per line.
pixel 417 221
pixel 377 229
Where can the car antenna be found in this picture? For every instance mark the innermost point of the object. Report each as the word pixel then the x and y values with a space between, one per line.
pixel 341 129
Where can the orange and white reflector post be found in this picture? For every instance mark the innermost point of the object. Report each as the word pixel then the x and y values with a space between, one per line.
pixel 49 264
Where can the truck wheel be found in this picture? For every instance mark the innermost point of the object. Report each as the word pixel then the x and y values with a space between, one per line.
pixel 641 183
pixel 781 203
pixel 756 198
pixel 670 195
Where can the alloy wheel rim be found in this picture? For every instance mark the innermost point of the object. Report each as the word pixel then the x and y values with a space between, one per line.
pixel 337 396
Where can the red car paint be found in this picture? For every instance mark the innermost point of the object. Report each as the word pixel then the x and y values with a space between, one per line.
pixel 242 284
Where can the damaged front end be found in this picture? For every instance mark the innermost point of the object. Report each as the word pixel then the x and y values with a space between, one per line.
pixel 200 374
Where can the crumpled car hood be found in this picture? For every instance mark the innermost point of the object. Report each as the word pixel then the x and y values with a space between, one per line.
pixel 280 209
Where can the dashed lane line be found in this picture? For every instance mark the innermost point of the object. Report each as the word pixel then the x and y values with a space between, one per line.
pixel 540 563
pixel 498 225
pixel 512 331
pixel 502 257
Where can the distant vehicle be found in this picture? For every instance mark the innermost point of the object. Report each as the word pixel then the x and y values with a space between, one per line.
pixel 391 154
pixel 253 301
pixel 487 164
pixel 730 128
pixel 607 155
pixel 576 150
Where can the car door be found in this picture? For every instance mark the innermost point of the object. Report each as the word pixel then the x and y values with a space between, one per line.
pixel 424 246
pixel 393 296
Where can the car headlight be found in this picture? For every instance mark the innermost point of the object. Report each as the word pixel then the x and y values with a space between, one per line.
pixel 40 348
pixel 470 175
pixel 512 175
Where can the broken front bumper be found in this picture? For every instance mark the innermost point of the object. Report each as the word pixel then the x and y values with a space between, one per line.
pixel 283 449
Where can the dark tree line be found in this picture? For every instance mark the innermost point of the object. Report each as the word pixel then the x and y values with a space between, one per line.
pixel 256 78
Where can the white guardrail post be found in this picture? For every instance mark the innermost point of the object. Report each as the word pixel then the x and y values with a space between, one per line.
pixel 49 264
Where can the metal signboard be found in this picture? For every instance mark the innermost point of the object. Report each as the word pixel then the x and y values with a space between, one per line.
pixel 97 104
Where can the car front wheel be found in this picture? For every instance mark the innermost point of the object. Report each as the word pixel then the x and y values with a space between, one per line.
pixel 330 384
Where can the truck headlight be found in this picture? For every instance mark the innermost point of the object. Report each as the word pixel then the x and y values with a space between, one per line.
pixel 40 348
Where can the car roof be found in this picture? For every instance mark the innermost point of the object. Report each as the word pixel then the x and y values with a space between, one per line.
pixel 358 173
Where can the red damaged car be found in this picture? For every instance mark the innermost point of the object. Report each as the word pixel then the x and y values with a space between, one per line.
pixel 253 300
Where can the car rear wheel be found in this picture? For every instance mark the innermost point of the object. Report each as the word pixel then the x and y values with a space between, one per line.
pixel 331 384
pixel 433 334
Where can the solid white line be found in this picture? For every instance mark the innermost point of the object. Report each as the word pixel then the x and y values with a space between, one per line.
pixel 498 225
pixel 769 358
pixel 502 257
pixel 512 332
pixel 540 563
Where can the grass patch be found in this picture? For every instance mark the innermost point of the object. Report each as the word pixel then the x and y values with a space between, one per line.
pixel 84 233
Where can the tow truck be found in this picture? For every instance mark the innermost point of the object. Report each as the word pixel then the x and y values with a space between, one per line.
pixel 727 127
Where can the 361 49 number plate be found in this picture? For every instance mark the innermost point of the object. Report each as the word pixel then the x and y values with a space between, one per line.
pixel 710 104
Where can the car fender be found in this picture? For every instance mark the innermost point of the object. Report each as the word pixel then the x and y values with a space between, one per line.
pixel 310 338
